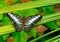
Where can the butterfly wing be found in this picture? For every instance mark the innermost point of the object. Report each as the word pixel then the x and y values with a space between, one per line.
pixel 31 21
pixel 28 24
pixel 16 20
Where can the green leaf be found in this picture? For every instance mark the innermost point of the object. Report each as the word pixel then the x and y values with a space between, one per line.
pixel 20 36
pixel 1 16
pixel 54 39
pixel 19 12
pixel 5 36
pixel 46 35
pixel 1 39
pixel 16 1
pixel 49 10
pixel 33 32
pixel 28 12
pixel 28 5
pixel 52 25
pixel 7 29
pixel 6 21
pixel 49 18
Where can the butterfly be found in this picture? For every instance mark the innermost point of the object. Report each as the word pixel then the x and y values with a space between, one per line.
pixel 23 23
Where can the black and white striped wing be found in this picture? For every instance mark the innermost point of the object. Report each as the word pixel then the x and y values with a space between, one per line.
pixel 31 21
pixel 16 20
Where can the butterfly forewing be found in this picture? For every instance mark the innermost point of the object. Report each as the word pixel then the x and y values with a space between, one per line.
pixel 31 21
pixel 16 20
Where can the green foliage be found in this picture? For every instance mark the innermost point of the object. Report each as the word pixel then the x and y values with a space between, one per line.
pixel 52 25
pixel 23 36
pixel 47 36
pixel 5 36
pixel 6 29
pixel 16 1
pixel 20 36
pixel 49 18
pixel 6 21
pixel 1 39
pixel 33 32
pixel 31 12
pixel 26 13
pixel 49 10
pixel 54 39
pixel 4 8
pixel 1 16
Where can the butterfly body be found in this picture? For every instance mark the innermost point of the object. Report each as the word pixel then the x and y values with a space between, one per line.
pixel 25 23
